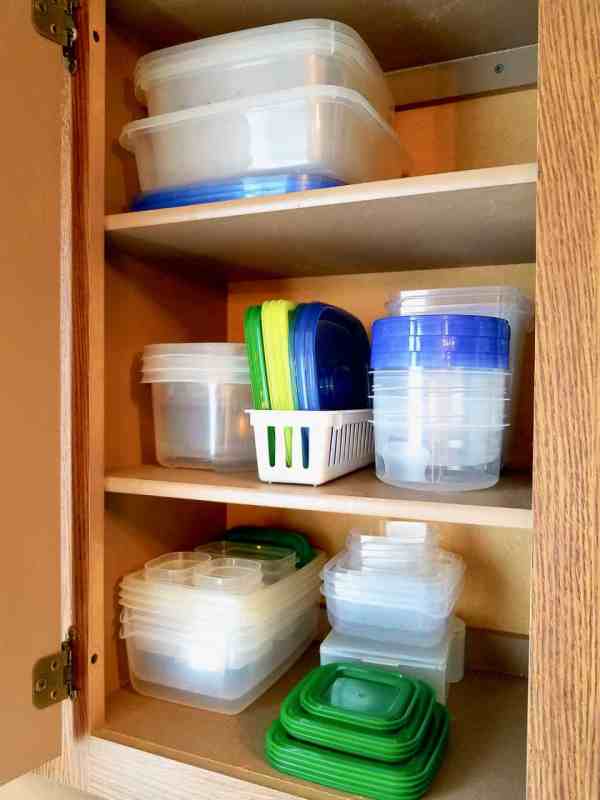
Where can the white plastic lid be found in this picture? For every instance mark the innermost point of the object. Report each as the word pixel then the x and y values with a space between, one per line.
pixel 211 349
pixel 493 301
pixel 313 93
pixel 249 45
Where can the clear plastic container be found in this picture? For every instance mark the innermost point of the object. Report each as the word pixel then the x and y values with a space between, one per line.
pixel 177 567
pixel 437 456
pixel 505 302
pixel 202 424
pixel 438 665
pixel 214 672
pixel 260 60
pixel 394 603
pixel 319 129
pixel 275 562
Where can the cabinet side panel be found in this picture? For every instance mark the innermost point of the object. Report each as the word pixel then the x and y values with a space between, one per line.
pixel 564 702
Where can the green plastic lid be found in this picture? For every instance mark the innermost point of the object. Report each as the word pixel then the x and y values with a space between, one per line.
pixel 256 359
pixel 383 745
pixel 359 775
pixel 276 536
pixel 361 695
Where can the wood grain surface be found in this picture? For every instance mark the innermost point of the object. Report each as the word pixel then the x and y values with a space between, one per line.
pixel 564 718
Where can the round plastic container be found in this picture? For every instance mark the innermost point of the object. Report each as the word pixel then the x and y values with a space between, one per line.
pixel 176 567
pixel 505 302
pixel 260 60
pixel 199 419
pixel 441 400
pixel 319 129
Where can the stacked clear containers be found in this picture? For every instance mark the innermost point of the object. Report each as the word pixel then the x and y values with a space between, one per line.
pixel 206 631
pixel 199 395
pixel 399 588
pixel 505 302
pixel 299 98
pixel 441 400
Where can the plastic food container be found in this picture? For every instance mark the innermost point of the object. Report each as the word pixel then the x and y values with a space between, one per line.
pixel 199 395
pixel 324 130
pixel 257 61
pixel 505 302
pixel 220 638
pixel 407 598
pixel 275 562
pixel 441 400
pixel 438 666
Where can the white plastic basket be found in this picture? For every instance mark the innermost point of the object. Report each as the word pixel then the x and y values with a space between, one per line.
pixel 325 444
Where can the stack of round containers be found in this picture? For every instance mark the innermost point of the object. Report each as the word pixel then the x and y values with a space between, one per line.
pixel 286 107
pixel 441 400
pixel 506 302
pixel 200 392
pixel 209 631
pixel 394 588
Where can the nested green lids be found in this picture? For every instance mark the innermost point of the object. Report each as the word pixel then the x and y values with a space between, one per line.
pixel 276 536
pixel 408 703
pixel 351 773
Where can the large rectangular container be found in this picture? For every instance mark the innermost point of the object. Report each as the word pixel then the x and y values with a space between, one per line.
pixel 322 130
pixel 260 60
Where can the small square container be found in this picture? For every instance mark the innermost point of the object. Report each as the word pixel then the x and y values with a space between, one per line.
pixel 260 60
pixel 275 562
pixel 176 567
pixel 324 130
pixel 438 666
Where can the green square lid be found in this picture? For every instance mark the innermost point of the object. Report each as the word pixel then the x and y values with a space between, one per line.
pixel 361 695
pixel 383 745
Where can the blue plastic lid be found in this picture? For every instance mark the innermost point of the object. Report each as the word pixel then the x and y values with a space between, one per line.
pixel 439 341
pixel 331 359
pixel 232 189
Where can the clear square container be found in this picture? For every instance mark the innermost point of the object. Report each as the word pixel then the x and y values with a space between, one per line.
pixel 439 665
pixel 260 60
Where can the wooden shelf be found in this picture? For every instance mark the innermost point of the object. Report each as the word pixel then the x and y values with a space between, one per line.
pixel 401 34
pixel 473 217
pixel 507 505
pixel 486 755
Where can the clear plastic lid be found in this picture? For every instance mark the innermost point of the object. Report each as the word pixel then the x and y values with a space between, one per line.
pixel 245 46
pixel 495 301
pixel 210 349
pixel 195 375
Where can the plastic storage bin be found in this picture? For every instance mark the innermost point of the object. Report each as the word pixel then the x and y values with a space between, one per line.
pixel 220 639
pixel 324 444
pixel 441 400
pixel 322 130
pixel 438 666
pixel 260 60
pixel 199 396
pixel 505 302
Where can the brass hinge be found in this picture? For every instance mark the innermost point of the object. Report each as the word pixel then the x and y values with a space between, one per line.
pixel 55 20
pixel 53 676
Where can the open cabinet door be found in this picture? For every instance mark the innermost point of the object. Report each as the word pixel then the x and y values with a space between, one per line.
pixel 34 255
